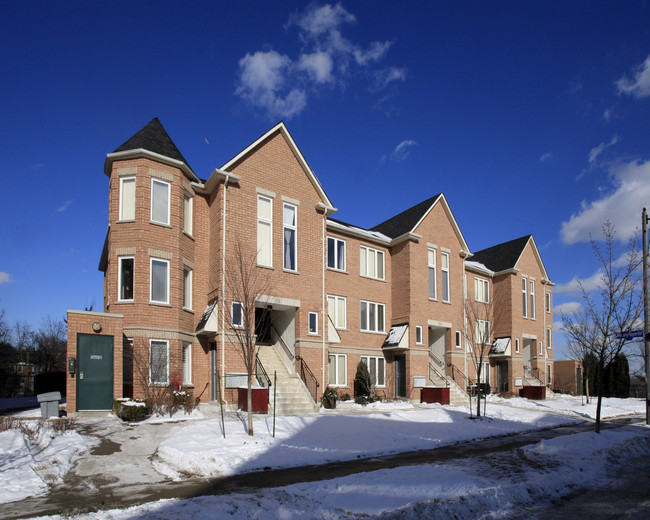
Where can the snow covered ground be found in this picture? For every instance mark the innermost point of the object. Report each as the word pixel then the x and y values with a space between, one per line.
pixel 434 490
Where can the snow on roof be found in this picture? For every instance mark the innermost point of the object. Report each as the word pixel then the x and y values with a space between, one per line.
pixel 500 346
pixel 370 234
pixel 395 335
pixel 478 265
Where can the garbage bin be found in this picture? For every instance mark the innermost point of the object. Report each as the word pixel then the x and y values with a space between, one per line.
pixel 49 404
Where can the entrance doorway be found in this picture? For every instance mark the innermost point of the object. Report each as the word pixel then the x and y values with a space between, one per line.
pixel 400 375
pixel 94 372
pixel 214 365
pixel 502 376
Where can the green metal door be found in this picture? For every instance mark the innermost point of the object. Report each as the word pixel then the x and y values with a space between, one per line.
pixel 94 372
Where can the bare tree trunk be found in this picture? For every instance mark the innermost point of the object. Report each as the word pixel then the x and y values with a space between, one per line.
pixel 601 387
pixel 249 403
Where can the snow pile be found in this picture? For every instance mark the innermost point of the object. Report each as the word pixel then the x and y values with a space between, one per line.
pixel 576 406
pixel 28 463
pixel 200 449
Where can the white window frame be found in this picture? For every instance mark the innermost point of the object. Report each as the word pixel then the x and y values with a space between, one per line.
pixel 335 259
pixel 481 290
pixel 293 227
pixel 188 213
pixel 159 343
pixel 431 262
pixel 167 185
pixel 541 348
pixel 265 223
pixel 445 276
pixel 187 363
pixel 548 302
pixel 524 291
pixel 516 344
pixel 188 276
pixel 549 338
pixel 336 302
pixel 340 380
pixel 379 368
pixel 481 333
pixel 418 334
pixel 122 215
pixel 240 324
pixel 376 326
pixel 532 299
pixel 458 339
pixel 313 330
pixel 151 262
pixel 485 373
pixel 368 252
pixel 119 279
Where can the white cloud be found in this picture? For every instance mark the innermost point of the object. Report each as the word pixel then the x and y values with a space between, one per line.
pixel 607 114
pixel 594 153
pixel 4 277
pixel 546 157
pixel 639 85
pixel 281 85
pixel 567 308
pixel 401 151
pixel 574 286
pixel 64 206
pixel 318 65
pixel 621 205
pixel 558 326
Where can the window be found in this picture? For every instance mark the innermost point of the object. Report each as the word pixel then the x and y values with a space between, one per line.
pixel 372 316
pixel 188 212
pixel 127 198
pixel 160 201
pixel 187 363
pixel 127 362
pixel 516 344
pixel 264 231
pixel 445 276
pixel 290 230
pixel 541 348
pixel 372 263
pixel 159 281
pixel 548 302
pixel 377 368
pixel 158 362
pixel 313 323
pixel 125 276
pixel 336 311
pixel 458 342
pixel 549 335
pixel 187 288
pixel 532 300
pixel 336 253
pixel 485 373
pixel 237 314
pixel 482 332
pixel 481 290
pixel 337 365
pixel 524 283
pixel 418 334
pixel 432 274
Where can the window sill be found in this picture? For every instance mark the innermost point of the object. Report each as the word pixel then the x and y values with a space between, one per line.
pixel 188 235
pixel 377 332
pixel 266 267
pixel 335 270
pixel 161 224
pixel 123 302
pixel 187 385
pixel 448 302
pixel 313 334
pixel 289 271
pixel 159 304
pixel 124 221
pixel 187 309
pixel 433 299
pixel 372 278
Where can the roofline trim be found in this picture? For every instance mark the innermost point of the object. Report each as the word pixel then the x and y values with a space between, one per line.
pixel 537 257
pixel 450 216
pixel 142 152
pixel 357 233
pixel 280 127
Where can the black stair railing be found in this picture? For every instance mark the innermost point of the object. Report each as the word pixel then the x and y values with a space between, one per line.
pixel 262 377
pixel 307 377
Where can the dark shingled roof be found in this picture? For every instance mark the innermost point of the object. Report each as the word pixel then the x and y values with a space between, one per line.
pixel 406 220
pixel 502 256
pixel 154 138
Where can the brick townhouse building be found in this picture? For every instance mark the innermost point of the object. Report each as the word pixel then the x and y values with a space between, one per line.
pixel 394 296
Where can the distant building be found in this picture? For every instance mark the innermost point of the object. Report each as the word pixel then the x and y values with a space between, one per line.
pixel 568 377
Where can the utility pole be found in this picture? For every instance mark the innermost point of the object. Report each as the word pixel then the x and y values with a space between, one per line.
pixel 646 314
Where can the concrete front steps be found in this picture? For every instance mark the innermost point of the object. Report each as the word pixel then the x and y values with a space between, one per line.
pixel 457 396
pixel 292 396
pixel 533 381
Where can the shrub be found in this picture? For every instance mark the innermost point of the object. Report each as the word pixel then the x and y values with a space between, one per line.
pixel 64 424
pixel 130 410
pixel 362 382
pixel 330 396
pixel 345 397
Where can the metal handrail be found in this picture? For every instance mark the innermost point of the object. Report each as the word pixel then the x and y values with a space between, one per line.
pixel 455 371
pixel 436 359
pixel 308 378
pixel 261 375
pixel 542 376
pixel 287 351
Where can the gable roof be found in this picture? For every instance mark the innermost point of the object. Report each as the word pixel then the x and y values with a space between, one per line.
pixel 407 220
pixel 282 130
pixel 152 138
pixel 502 256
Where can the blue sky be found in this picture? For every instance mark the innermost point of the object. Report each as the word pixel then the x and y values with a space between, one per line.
pixel 530 117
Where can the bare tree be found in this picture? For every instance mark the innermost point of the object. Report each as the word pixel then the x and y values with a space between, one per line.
pixel 612 311
pixel 580 350
pixel 484 314
pixel 150 367
pixel 4 327
pixel 24 339
pixel 245 282
pixel 51 344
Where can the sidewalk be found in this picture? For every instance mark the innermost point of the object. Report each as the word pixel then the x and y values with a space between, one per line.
pixel 90 487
